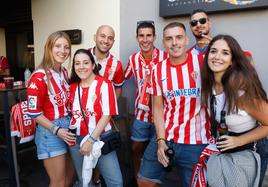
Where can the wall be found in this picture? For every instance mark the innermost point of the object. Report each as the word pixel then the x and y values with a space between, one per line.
pixel 248 27
pixel 49 16
pixel 2 42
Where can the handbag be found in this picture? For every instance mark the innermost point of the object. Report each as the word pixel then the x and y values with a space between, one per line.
pixel 112 141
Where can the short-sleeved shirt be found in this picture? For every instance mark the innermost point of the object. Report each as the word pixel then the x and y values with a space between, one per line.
pixel 186 120
pixel 111 69
pixel 97 100
pixel 48 94
pixel 140 68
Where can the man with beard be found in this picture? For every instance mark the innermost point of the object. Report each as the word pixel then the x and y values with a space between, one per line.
pixel 200 26
pixel 111 68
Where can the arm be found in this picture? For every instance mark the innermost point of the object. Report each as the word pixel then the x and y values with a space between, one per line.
pixel 158 113
pixel 62 133
pixel 88 145
pixel 261 115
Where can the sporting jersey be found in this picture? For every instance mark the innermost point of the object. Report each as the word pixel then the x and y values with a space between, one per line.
pixel 21 124
pixel 48 96
pixel 186 121
pixel 138 66
pixel 111 69
pixel 98 99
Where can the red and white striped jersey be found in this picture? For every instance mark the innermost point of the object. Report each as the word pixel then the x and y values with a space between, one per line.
pixel 111 69
pixel 186 121
pixel 97 100
pixel 48 98
pixel 138 66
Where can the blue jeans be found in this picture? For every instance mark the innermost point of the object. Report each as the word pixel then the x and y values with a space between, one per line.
pixel 186 156
pixel 107 164
pixel 262 149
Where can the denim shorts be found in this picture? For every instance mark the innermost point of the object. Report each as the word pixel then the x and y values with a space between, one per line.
pixel 186 156
pixel 142 131
pixel 50 145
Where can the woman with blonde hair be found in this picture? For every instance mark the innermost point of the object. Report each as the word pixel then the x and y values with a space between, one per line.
pixel 48 92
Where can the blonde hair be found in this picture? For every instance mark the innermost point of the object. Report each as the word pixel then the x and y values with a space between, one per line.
pixel 48 60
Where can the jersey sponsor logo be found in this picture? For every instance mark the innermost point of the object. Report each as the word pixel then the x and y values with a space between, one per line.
pixel 59 98
pixel 32 102
pixel 78 114
pixel 33 86
pixel 190 92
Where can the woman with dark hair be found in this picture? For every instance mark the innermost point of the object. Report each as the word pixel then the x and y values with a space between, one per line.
pixel 92 103
pixel 231 84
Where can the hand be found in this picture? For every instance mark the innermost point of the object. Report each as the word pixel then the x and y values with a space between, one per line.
pixel 228 142
pixel 66 136
pixel 205 39
pixel 162 158
pixel 86 148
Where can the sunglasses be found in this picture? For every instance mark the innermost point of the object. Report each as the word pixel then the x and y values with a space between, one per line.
pixel 145 22
pixel 194 22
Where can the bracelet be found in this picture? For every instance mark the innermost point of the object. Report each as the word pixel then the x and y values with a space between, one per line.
pixel 57 130
pixel 92 138
pixel 159 139
pixel 52 128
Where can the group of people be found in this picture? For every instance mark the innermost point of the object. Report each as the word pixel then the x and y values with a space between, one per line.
pixel 172 106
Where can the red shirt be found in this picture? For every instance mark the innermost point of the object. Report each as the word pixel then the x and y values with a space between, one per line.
pixel 111 69
pixel 140 68
pixel 3 63
pixel 98 99
pixel 186 120
pixel 52 102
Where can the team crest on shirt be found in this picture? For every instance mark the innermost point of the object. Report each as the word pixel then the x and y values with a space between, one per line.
pixel 194 75
pixel 32 102
pixel 59 98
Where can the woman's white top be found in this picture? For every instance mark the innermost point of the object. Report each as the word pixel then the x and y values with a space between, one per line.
pixel 236 122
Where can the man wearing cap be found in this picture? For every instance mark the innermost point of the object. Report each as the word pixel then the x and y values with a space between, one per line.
pixel 140 65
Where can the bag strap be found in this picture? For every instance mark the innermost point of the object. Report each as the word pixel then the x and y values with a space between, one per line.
pixel 81 108
pixel 213 121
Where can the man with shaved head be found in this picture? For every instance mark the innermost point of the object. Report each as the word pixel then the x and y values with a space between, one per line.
pixel 111 68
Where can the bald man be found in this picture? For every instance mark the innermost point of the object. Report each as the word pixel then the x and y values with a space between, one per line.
pixel 111 68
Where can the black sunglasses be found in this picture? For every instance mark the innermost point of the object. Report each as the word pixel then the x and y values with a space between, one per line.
pixel 202 21
pixel 145 22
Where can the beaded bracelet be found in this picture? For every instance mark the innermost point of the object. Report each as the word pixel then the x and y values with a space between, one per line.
pixel 57 130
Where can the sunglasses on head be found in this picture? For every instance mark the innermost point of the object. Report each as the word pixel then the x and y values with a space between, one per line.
pixel 145 22
pixel 194 22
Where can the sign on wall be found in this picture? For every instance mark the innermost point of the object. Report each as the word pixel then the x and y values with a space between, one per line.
pixel 169 8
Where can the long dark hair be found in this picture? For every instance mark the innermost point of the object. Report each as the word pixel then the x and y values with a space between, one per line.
pixel 74 77
pixel 240 76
